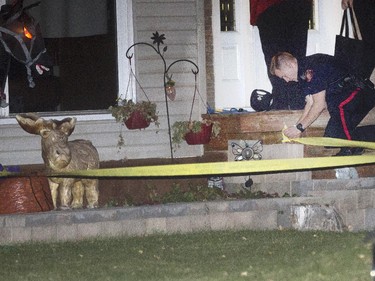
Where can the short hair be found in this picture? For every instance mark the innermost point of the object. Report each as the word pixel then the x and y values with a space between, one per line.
pixel 280 59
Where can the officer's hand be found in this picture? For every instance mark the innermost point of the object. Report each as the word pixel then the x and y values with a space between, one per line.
pixel 292 132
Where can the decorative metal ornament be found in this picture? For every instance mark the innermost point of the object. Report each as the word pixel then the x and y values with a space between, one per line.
pixel 245 151
pixel 158 39
pixel 170 88
pixel 171 92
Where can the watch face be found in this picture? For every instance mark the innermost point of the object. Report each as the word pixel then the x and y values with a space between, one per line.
pixel 299 127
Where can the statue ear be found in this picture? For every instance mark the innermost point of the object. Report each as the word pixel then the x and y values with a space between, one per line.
pixel 66 125
pixel 45 133
pixel 30 122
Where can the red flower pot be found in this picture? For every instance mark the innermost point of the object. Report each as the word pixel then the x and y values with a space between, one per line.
pixel 201 137
pixel 136 121
pixel 25 195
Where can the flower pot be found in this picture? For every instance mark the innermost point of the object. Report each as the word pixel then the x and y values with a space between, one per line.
pixel 25 195
pixel 136 121
pixel 201 137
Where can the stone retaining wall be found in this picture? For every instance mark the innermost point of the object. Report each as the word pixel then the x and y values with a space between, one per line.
pixel 354 200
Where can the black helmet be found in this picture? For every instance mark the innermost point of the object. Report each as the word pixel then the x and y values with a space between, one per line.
pixel 261 100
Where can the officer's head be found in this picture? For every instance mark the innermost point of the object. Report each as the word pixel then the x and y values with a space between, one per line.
pixel 284 66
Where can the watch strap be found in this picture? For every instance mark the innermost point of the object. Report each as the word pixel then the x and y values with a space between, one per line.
pixel 300 127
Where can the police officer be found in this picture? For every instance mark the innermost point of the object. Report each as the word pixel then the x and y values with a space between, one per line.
pixel 283 26
pixel 327 84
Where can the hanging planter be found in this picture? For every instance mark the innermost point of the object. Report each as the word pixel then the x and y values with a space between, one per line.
pixel 195 132
pixel 137 121
pixel 202 137
pixel 135 115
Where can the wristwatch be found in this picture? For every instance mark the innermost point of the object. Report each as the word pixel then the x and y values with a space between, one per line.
pixel 300 127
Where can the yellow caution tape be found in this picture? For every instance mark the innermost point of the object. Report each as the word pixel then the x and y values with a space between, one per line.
pixel 330 142
pixel 245 167
pixel 6 174
pixel 227 168
pixel 236 167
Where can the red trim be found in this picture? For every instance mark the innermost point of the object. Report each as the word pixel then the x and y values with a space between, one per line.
pixel 342 114
pixel 257 7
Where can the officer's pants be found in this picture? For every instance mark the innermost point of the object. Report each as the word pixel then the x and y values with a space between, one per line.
pixel 349 112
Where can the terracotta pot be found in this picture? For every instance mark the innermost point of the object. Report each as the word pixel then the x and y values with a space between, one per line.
pixel 136 121
pixel 202 137
pixel 25 195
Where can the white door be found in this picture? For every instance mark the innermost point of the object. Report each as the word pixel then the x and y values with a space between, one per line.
pixel 239 65
pixel 232 57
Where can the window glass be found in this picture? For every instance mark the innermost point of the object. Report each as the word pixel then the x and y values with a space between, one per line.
pixel 80 39
pixel 227 15
pixel 312 18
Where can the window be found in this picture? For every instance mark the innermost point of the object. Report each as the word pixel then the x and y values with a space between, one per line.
pixel 80 38
pixel 227 15
pixel 312 17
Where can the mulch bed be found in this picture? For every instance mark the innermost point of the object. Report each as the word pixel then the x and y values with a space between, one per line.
pixel 120 191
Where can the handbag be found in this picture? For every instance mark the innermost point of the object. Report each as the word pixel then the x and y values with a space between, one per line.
pixel 349 51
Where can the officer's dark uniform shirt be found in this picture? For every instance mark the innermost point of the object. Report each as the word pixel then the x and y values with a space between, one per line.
pixel 321 72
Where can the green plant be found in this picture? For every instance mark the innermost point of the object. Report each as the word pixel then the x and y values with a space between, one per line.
pixel 124 109
pixel 181 128
pixel 119 203
pixel 193 194
pixel 170 82
pixel 200 193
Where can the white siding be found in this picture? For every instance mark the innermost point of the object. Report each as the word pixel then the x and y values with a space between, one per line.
pixel 182 24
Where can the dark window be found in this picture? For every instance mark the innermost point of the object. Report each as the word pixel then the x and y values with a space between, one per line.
pixel 83 55
pixel 227 15
pixel 312 17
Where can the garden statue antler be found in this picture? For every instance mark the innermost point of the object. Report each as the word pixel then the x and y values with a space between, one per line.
pixel 61 155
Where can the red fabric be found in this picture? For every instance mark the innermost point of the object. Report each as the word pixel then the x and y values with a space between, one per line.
pixel 342 113
pixel 257 7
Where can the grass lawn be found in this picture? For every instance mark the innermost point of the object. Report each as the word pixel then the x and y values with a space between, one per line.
pixel 224 255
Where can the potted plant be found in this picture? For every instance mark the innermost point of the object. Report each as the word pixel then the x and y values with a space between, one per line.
pixel 195 132
pixel 135 115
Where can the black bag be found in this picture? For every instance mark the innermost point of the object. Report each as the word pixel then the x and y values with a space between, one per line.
pixel 349 51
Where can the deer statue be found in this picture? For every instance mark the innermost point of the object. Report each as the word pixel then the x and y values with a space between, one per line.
pixel 61 155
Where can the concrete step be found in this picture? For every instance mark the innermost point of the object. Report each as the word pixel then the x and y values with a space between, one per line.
pixel 304 187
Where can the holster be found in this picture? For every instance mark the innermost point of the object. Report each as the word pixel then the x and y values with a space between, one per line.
pixel 358 82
